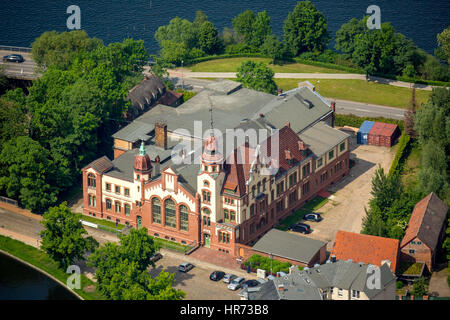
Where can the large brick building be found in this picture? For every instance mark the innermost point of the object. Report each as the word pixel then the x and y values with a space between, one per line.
pixel 218 201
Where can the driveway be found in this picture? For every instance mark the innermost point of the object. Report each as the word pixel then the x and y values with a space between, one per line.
pixel 345 208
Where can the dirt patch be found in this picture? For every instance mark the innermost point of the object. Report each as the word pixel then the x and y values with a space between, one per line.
pixel 351 195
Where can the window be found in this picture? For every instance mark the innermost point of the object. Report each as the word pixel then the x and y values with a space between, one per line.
pixel 323 177
pixel 156 210
pixel 292 179
pixel 232 216
pixel 92 201
pixel 226 215
pixel 319 162
pixel 117 207
pixel 138 177
pixel 280 188
pixel 108 204
pixel 264 184
pixel 355 294
pixel 306 169
pixel 184 218
pixel 170 214
pixel 117 189
pixel 330 154
pixel 253 192
pixel 127 192
pixel 305 188
pixel 206 218
pixel 280 206
pixel 252 228
pixel 259 187
pixel 224 237
pixel 206 196
pixel 411 251
pixel 206 183
pixel 339 292
pixel 252 210
pixel 292 197
pixel 342 147
pixel 127 209
pixel 91 181
pixel 108 187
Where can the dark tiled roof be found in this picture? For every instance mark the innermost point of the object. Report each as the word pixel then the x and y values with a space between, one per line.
pixel 102 164
pixel 426 221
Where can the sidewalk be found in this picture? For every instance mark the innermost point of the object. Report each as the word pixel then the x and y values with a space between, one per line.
pixel 31 241
pixel 23 212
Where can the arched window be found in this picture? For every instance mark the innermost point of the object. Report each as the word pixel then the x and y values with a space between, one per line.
pixel 156 210
pixel 170 214
pixel 226 215
pixel 91 180
pixel 206 183
pixel 127 209
pixel 117 207
pixel 206 218
pixel 184 218
pixel 232 216
pixel 108 204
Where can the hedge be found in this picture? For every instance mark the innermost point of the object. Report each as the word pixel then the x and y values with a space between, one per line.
pixel 259 262
pixel 399 158
pixel 351 120
pixel 224 56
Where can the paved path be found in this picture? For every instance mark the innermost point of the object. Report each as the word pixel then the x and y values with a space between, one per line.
pixel 343 76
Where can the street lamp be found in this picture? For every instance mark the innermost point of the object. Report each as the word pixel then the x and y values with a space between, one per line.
pixel 182 75
pixel 271 258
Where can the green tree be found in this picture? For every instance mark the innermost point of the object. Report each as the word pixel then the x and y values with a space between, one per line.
pixel 257 76
pixel 200 18
pixel 59 49
pixel 208 38
pixel 305 29
pixel 273 48
pixel 121 270
pixel 261 29
pixel 27 174
pixel 443 49
pixel 419 287
pixel 64 236
pixel 408 119
pixel 345 36
pixel 13 121
pixel 174 52
pixel 243 25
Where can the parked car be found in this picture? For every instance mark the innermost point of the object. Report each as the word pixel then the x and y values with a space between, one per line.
pixel 156 257
pixel 185 267
pixel 236 283
pixel 13 58
pixel 250 283
pixel 301 228
pixel 313 216
pixel 216 275
pixel 228 277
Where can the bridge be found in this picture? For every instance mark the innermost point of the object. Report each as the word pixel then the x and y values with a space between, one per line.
pixel 21 71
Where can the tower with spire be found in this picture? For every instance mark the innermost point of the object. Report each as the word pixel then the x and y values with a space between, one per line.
pixel 142 165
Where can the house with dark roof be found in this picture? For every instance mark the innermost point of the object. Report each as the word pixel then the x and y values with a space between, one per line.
pixel 425 231
pixel 177 177
pixel 366 249
pixel 293 248
pixel 340 280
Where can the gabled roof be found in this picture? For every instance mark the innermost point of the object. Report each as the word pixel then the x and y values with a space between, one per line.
pixel 101 165
pixel 365 248
pixel 426 221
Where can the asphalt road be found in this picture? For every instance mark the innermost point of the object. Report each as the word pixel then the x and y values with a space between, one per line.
pixel 24 70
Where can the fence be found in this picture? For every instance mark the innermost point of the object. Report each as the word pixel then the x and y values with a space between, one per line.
pixel 16 49
pixel 9 201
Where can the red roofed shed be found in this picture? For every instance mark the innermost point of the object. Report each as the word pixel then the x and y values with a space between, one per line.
pixel 383 134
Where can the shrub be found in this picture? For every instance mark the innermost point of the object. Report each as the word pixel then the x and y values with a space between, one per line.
pixel 258 262
pixel 239 48
pixel 399 284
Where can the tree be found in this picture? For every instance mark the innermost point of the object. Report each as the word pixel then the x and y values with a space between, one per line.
pixel 13 121
pixel 200 18
pixel 273 48
pixel 409 116
pixel 179 35
pixel 345 36
pixel 243 25
pixel 261 29
pixel 121 270
pixel 305 29
pixel 443 49
pixel 419 287
pixel 208 38
pixel 63 237
pixel 257 76
pixel 59 49
pixel 27 174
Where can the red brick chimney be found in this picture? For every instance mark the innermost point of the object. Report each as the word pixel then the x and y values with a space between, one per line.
pixel 161 135
pixel 333 108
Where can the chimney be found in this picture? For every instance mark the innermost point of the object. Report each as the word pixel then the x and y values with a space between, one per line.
pixel 156 168
pixel 281 287
pixel 161 135
pixel 279 91
pixel 261 115
pixel 333 258
pixel 333 107
pixel 287 124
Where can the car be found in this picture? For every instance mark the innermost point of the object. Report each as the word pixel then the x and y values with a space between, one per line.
pixel 13 58
pixel 301 228
pixel 185 267
pixel 236 283
pixel 156 257
pixel 228 277
pixel 313 216
pixel 216 275
pixel 250 283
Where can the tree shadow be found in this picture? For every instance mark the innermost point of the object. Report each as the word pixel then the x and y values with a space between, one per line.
pixel 180 277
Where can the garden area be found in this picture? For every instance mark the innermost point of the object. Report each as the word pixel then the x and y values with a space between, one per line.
pixel 259 262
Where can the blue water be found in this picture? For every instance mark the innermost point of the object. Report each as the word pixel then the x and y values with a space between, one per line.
pixel 22 21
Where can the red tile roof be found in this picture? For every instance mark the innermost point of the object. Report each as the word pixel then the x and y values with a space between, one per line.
pixel 365 248
pixel 426 221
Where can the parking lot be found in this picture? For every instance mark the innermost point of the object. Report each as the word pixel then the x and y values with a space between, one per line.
pixel 196 282
pixel 345 209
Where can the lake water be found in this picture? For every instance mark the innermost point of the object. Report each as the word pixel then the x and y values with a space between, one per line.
pixel 21 282
pixel 113 20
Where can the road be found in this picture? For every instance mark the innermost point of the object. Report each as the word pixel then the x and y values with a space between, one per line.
pixel 24 70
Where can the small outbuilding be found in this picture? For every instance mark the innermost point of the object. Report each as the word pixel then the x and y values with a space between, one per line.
pixel 383 134
pixel 362 136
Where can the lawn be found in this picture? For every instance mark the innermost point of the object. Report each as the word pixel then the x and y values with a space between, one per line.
pixel 411 166
pixel 101 222
pixel 297 216
pixel 360 90
pixel 410 268
pixel 42 261
pixel 232 64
